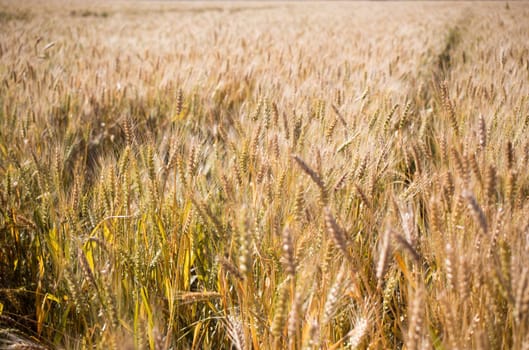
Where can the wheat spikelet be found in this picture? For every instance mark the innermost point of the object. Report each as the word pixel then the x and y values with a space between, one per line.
pixel 449 107
pixel 76 296
pixel 275 115
pixel 452 332
pixel 139 336
pixel 227 187
pixel 330 129
pixel 435 217
pixel 319 166
pixel 505 263
pixel 463 278
pixel 338 97
pixel 299 205
pixel 509 155
pixel 113 185
pixel 127 130
pixel 257 111
pixel 56 169
pixel 443 149
pixel 288 258
pixel 470 334
pixel 387 120
pixel 264 172
pixel 313 339
pixel 333 297
pixel 87 271
pixel 124 161
pixel 357 334
pixel 525 341
pixel 181 171
pixel 193 297
pixel 206 213
pixel 313 174
pixel 253 147
pixel 192 163
pixel 337 234
pixel 187 223
pixel 286 127
pixel 361 170
pixel 244 159
pixel 404 119
pixel 237 173
pixel 474 166
pixel 14 339
pixel 363 196
pixel 112 310
pixel 482 133
pixel 526 153
pixel 521 297
pixel 490 185
pixel 510 187
pixel 269 190
pixel 138 263
pixel 460 166
pixel 150 164
pixel 450 266
pixel 160 339
pixel 275 147
pixel 301 140
pixel 373 120
pixel 344 146
pixel 383 262
pixel 294 321
pixel 179 102
pixel 74 197
pixel 341 182
pixel 496 232
pixel 407 246
pixel 415 327
pixel 234 326
pixel 297 129
pixel 229 267
pixel 245 258
pixel 267 114
pixel 339 115
pixel 329 259
pixel 424 149
pixel 389 291
pixel 477 212
pixel 280 314
pixel 136 177
pixel 281 185
pixel 417 160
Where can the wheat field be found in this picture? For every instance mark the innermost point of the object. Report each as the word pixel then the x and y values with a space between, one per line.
pixel 264 175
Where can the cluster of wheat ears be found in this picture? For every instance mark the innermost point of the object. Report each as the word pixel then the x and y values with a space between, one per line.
pixel 264 175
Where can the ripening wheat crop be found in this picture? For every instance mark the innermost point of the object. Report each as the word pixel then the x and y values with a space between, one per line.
pixel 264 175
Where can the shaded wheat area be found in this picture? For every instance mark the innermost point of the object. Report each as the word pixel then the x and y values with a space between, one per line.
pixel 264 176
